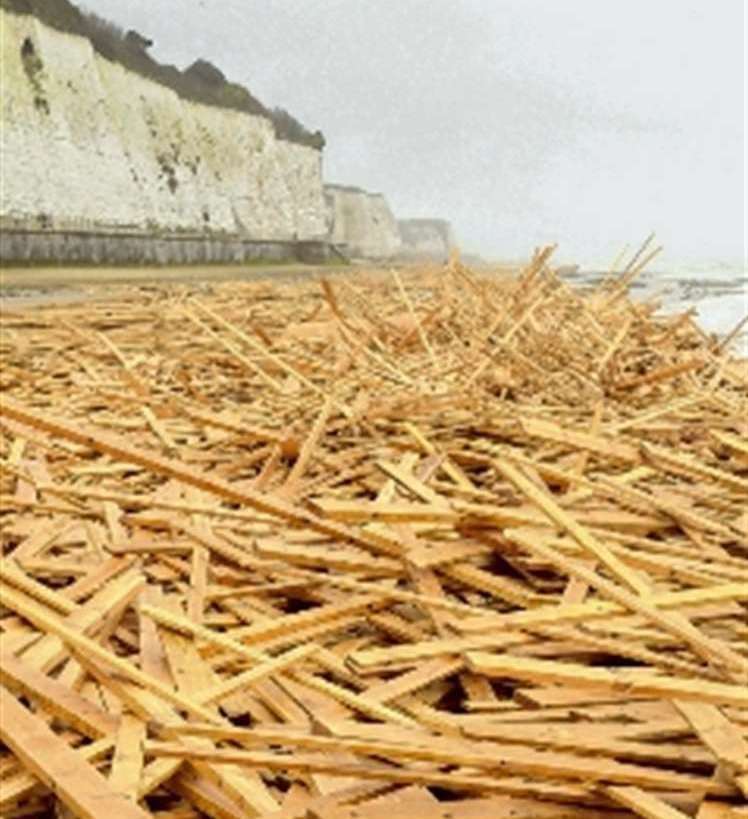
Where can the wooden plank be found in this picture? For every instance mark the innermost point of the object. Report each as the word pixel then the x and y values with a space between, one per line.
pixel 644 804
pixel 721 810
pixel 623 681
pixel 723 738
pixel 601 609
pixel 20 787
pixel 127 762
pixel 78 785
pixel 679 627
pixel 507 760
pixel 55 697
pixel 343 647
pixel 411 681
pixel 239 682
pixel 119 448
pixel 95 652
pixel 597 444
pixel 198 583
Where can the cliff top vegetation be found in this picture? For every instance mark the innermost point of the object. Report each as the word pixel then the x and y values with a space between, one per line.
pixel 201 82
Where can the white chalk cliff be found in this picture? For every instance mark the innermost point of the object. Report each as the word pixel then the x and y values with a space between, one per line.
pixel 361 223
pixel 89 145
pixel 104 161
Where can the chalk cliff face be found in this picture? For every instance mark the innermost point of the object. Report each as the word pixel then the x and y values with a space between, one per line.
pixel 428 239
pixel 88 145
pixel 361 224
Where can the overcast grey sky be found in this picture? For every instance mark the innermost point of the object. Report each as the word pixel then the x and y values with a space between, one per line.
pixel 587 122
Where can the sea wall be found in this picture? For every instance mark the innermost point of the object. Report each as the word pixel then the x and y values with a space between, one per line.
pixel 361 224
pixel 51 247
pixel 90 148
pixel 426 239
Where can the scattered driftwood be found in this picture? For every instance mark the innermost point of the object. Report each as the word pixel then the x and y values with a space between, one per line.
pixel 425 544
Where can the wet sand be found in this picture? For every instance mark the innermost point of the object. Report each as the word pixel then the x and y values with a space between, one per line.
pixel 22 287
pixel 720 301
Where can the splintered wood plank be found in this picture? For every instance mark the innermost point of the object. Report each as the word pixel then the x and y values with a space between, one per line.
pixel 236 683
pixel 43 536
pixel 710 649
pixel 55 697
pixel 590 740
pixel 108 602
pixel 198 583
pixel 94 652
pixel 398 744
pixel 507 760
pixel 420 677
pixel 621 681
pixel 97 577
pixel 721 810
pixel 158 428
pixel 644 804
pixel 152 657
pixel 287 368
pixel 119 448
pixel 20 786
pixel 339 558
pixel 503 588
pixel 179 623
pixel 353 512
pixel 593 610
pixel 191 674
pixel 357 702
pixel 188 670
pixel 344 563
pixel 291 626
pixel 499 807
pixel 412 801
pixel 723 738
pixel 680 465
pixel 450 469
pixel 13 574
pixel 307 450
pixel 480 695
pixel 310 764
pixel 567 522
pixel 77 784
pixel 207 796
pixel 127 762
pixel 598 444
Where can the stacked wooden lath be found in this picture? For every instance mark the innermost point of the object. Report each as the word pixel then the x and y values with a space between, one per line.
pixel 430 545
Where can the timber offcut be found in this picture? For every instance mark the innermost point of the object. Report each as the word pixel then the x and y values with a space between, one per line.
pixel 426 543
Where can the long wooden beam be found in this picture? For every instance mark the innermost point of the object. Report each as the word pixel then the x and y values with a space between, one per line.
pixel 117 447
pixel 628 682
pixel 79 785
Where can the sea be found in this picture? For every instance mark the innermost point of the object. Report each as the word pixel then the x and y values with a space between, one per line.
pixel 717 292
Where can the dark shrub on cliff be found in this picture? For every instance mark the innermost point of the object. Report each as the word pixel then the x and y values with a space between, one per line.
pixel 135 40
pixel 201 82
pixel 206 73
pixel 288 127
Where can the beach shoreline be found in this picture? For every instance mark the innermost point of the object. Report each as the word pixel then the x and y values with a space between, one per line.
pixel 719 301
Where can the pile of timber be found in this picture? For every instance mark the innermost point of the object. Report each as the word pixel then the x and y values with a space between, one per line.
pixel 409 545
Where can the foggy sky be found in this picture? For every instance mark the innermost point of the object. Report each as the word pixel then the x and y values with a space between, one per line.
pixel 583 122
